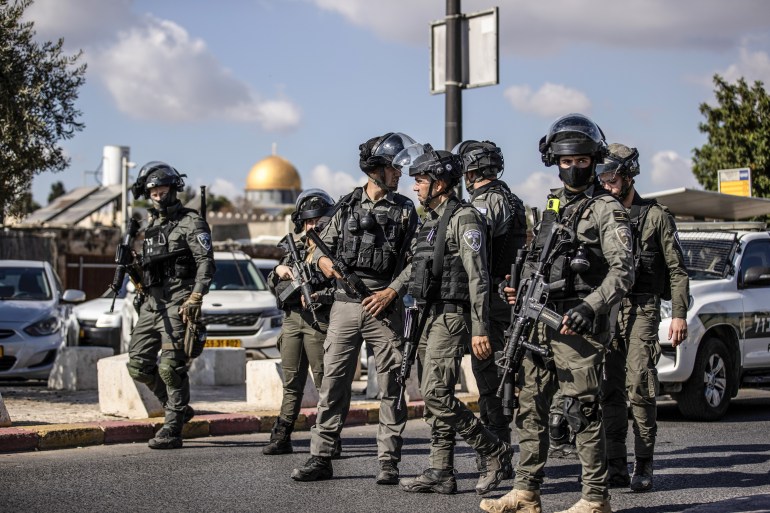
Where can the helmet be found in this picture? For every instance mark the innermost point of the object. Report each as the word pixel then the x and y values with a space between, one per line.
pixel 620 159
pixel 573 134
pixel 310 204
pixel 379 152
pixel 154 174
pixel 420 159
pixel 484 157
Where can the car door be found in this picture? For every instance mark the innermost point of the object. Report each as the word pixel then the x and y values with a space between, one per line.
pixel 756 307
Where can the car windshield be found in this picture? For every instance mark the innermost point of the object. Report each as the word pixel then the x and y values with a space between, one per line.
pixel 24 284
pixel 237 275
pixel 707 255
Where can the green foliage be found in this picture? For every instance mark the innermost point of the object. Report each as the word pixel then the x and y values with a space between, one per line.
pixel 26 204
pixel 738 131
pixel 219 204
pixel 38 89
pixel 57 189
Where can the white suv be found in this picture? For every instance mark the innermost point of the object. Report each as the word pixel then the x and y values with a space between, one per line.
pixel 728 320
pixel 239 310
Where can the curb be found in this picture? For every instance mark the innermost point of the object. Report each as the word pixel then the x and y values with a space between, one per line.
pixel 65 436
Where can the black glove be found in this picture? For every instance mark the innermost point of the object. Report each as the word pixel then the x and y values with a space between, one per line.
pixel 580 319
pixel 501 292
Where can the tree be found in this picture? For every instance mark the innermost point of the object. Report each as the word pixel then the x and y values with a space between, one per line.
pixel 38 89
pixel 738 131
pixel 57 189
pixel 219 204
pixel 26 204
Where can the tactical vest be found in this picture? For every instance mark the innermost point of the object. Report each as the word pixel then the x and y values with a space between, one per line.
pixel 373 252
pixel 575 285
pixel 159 261
pixel 650 268
pixel 503 247
pixel 452 284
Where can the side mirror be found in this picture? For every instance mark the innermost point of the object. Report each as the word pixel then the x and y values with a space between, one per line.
pixel 757 276
pixel 73 296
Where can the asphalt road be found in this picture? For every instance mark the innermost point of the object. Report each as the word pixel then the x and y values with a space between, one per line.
pixel 696 464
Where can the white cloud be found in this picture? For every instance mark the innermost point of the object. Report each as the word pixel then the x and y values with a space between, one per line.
pixel 751 66
pixel 548 101
pixel 536 187
pixel 670 171
pixel 336 183
pixel 82 23
pixel 224 188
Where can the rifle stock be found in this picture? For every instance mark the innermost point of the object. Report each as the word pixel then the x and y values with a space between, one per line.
pixel 124 258
pixel 411 340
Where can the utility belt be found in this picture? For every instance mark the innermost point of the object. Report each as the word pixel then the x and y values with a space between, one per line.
pixel 639 299
pixel 445 308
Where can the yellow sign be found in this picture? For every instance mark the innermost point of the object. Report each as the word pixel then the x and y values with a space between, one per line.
pixel 735 181
pixel 223 342
pixel 738 188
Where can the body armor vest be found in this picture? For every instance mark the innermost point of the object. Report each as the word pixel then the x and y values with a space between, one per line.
pixel 369 239
pixel 452 285
pixel 650 268
pixel 502 250
pixel 159 260
pixel 575 285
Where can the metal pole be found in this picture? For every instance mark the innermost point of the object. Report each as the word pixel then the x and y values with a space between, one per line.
pixel 124 197
pixel 453 111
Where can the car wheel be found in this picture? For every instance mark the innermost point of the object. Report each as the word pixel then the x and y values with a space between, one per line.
pixel 706 395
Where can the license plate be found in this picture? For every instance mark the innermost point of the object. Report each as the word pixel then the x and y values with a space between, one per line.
pixel 223 342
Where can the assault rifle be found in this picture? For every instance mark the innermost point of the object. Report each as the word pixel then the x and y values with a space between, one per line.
pixel 124 257
pixel 195 332
pixel 531 298
pixel 411 339
pixel 350 279
pixel 302 279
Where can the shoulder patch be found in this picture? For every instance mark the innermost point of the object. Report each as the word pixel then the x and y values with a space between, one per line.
pixel 472 238
pixel 482 210
pixel 621 216
pixel 623 233
pixel 204 239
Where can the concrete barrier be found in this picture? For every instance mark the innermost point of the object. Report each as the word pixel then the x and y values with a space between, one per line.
pixel 264 386
pixel 219 366
pixel 467 379
pixel 373 388
pixel 120 395
pixel 75 368
pixel 5 418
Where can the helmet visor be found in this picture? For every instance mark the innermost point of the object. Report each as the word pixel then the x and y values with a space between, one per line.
pixel 405 160
pixel 392 145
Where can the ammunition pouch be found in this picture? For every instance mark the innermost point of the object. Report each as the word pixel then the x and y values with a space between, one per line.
pixel 194 339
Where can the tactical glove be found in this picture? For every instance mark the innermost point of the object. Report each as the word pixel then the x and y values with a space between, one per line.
pixel 191 308
pixel 580 319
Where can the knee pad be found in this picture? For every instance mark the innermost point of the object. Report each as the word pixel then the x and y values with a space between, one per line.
pixel 580 414
pixel 172 372
pixel 140 372
pixel 558 429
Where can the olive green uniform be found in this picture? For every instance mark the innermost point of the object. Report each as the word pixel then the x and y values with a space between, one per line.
pixel 602 228
pixel 630 371
pixel 300 343
pixel 350 324
pixel 167 282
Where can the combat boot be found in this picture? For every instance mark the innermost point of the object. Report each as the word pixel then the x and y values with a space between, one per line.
pixel 280 438
pixel 388 473
pixel 584 506
pixel 431 480
pixel 521 501
pixel 189 413
pixel 316 468
pixel 337 449
pixel 494 468
pixel 165 439
pixel 641 481
pixel 617 469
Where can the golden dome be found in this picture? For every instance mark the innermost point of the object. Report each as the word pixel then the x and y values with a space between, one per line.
pixel 273 173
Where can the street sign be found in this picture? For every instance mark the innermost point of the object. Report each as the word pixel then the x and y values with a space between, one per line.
pixel 735 181
pixel 480 48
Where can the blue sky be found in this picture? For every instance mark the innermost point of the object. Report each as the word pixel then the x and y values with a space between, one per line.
pixel 210 86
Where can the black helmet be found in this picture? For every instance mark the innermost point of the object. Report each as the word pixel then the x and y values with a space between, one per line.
pixel 620 159
pixel 484 157
pixel 379 151
pixel 310 204
pixel 419 159
pixel 154 174
pixel 573 134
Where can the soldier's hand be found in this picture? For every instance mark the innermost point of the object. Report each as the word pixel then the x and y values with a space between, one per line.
pixel 578 320
pixel 191 308
pixel 326 266
pixel 508 294
pixel 379 301
pixel 677 331
pixel 284 272
pixel 481 347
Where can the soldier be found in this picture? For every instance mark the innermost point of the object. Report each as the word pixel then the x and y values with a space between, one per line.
pixel 178 266
pixel 304 331
pixel 601 274
pixel 630 371
pixel 370 232
pixel 506 234
pixel 449 280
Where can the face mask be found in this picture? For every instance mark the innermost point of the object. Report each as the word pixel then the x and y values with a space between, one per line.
pixel 576 176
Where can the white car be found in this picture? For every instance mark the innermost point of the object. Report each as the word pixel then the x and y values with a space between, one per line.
pixel 35 318
pixel 99 326
pixel 728 320
pixel 239 310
